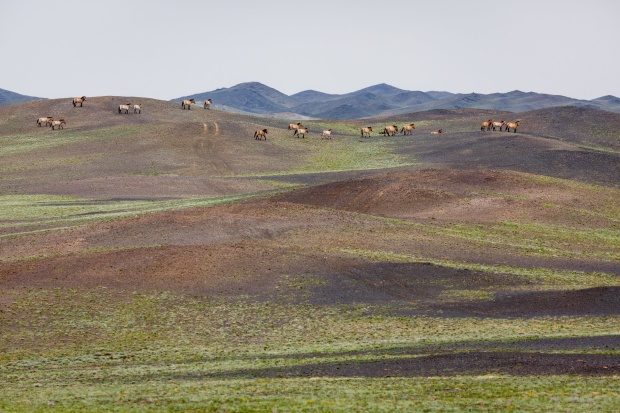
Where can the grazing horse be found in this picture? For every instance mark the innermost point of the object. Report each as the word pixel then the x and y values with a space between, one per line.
pixel 137 108
pixel 486 125
pixel 327 134
pixel 390 130
pixel 437 132
pixel 188 104
pixel 47 120
pixel 78 100
pixel 301 131
pixel 207 104
pixel 499 125
pixel 408 129
pixel 124 107
pixel 514 125
pixel 366 130
pixel 260 134
pixel 58 123
pixel 295 126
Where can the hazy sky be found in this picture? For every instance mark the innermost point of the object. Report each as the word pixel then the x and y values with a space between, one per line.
pixel 166 49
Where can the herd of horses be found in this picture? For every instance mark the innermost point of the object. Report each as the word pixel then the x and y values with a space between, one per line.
pixel 491 125
pixel 299 130
pixel 187 104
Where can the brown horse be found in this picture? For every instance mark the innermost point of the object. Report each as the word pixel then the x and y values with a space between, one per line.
pixel 47 120
pixel 514 125
pixel 499 125
pixel 408 129
pixel 207 104
pixel 137 108
pixel 124 107
pixel 78 100
pixel 366 130
pixel 58 123
pixel 390 130
pixel 188 104
pixel 301 131
pixel 295 126
pixel 260 134
pixel 327 134
pixel 437 132
pixel 486 125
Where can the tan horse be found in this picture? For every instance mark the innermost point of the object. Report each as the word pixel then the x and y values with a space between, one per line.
pixel 408 129
pixel 327 134
pixel 47 120
pixel 514 125
pixel 207 104
pixel 301 131
pixel 188 104
pixel 486 125
pixel 260 134
pixel 390 130
pixel 437 132
pixel 124 107
pixel 58 123
pixel 366 130
pixel 78 100
pixel 137 108
pixel 499 125
pixel 295 126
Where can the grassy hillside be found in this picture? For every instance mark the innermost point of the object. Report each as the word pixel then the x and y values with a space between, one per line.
pixel 168 261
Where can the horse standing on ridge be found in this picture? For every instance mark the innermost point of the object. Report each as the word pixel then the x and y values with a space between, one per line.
pixel 207 104
pixel 188 104
pixel 366 130
pixel 78 100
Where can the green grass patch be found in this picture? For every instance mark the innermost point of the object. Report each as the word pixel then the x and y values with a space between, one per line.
pixel 21 214
pixel 17 144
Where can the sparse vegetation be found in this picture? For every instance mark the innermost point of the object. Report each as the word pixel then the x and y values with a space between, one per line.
pixel 169 262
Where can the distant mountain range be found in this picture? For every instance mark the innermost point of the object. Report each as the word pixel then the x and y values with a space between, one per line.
pixel 378 100
pixel 11 98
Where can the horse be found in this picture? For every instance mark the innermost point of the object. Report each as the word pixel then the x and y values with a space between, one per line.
pixel 498 125
pixel 47 120
pixel 437 132
pixel 78 100
pixel 390 130
pixel 260 134
pixel 124 107
pixel 207 104
pixel 301 131
pixel 327 134
pixel 514 125
pixel 58 123
pixel 486 125
pixel 137 108
pixel 188 104
pixel 408 129
pixel 295 126
pixel 366 130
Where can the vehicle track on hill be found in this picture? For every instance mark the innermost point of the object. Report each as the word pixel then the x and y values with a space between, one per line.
pixel 209 147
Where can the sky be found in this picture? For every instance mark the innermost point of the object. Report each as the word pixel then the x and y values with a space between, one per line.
pixel 166 49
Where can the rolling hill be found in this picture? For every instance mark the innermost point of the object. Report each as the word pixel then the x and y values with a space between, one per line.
pixel 169 261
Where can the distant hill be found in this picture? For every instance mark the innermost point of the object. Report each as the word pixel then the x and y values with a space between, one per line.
pixel 381 100
pixel 11 98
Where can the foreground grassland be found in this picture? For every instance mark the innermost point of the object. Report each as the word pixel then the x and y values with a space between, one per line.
pixel 168 352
